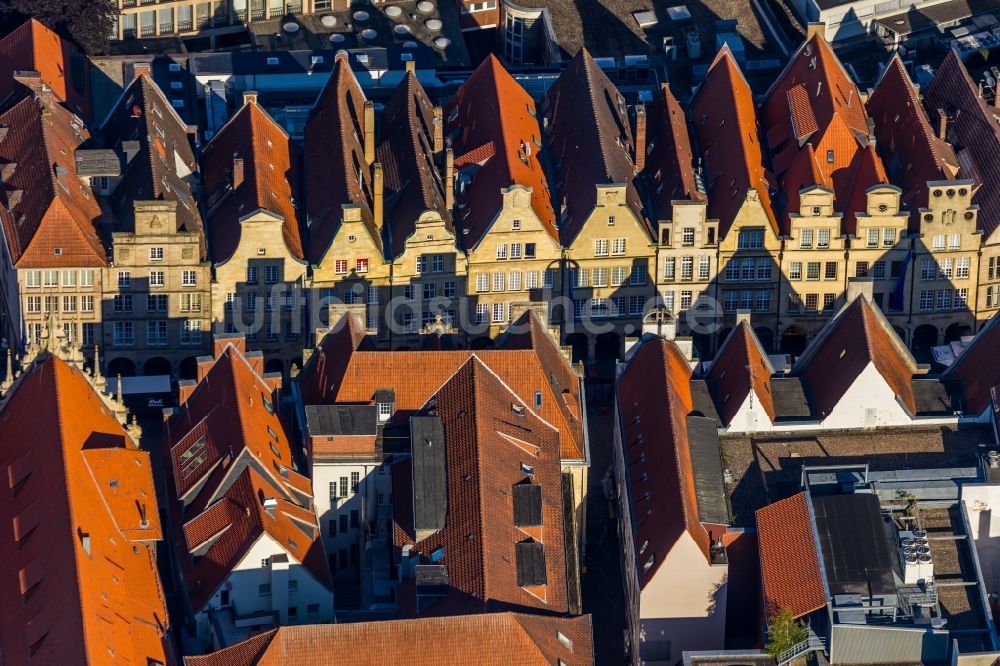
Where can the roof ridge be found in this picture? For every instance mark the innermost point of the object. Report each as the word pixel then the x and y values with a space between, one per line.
pixel 480 509
pixel 588 65
pixel 491 64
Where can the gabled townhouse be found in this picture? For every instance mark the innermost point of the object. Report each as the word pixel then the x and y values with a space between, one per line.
pixel 739 379
pixel 246 538
pixel 827 169
pixel 674 516
pixel 79 574
pixel 501 638
pixel 955 105
pixel 687 240
pixel 739 194
pixel 64 69
pixel 344 198
pixel 938 195
pixel 858 373
pixel 344 369
pixel 956 108
pixel 427 266
pixel 478 518
pixel 53 254
pixel 503 214
pixel 252 176
pixel 157 287
pixel 609 241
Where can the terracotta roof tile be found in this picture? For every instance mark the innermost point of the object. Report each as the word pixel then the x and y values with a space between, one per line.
pixel 739 366
pixel 34 47
pixel 857 336
pixel 654 399
pixel 45 206
pixel 669 158
pixel 165 165
pixel 228 451
pixel 271 170
pixel 590 140
pixel 76 583
pixel 815 102
pixel 491 108
pixel 978 367
pixel 340 373
pixel 487 446
pixel 511 639
pixel 910 148
pixel 335 167
pixel 412 181
pixel 789 563
pixel 974 132
pixel 725 121
pixel 866 172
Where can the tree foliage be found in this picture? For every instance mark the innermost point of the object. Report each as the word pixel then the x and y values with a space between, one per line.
pixel 784 633
pixel 85 22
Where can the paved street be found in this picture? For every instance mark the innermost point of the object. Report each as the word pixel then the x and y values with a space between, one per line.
pixel 603 592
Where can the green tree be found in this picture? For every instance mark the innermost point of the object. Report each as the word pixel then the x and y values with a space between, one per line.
pixel 86 22
pixel 784 633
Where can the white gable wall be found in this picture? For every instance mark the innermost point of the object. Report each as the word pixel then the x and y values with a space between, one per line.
pixel 243 585
pixel 869 402
pixel 751 416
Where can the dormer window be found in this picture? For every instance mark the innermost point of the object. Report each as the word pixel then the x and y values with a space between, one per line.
pixel 385 399
pixel 384 411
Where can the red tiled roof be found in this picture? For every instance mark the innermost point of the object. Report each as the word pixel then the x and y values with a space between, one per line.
pixel 228 451
pixel 491 108
pixel 804 172
pixel 789 563
pixel 490 639
pixel 590 139
pixel 76 583
pixel 815 102
pixel 856 336
pixel 866 172
pixel 978 367
pixel 487 447
pixel 412 181
pixel 654 399
pixel 44 204
pixel 340 373
pixel 165 165
pixel 224 533
pixel 33 47
pixel 270 179
pixel 739 366
pixel 669 157
pixel 725 121
pixel 336 171
pixel 974 133
pixel 909 146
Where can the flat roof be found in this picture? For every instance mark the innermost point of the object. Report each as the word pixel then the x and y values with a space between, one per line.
pixel 925 18
pixel 333 420
pixel 854 544
pixel 430 473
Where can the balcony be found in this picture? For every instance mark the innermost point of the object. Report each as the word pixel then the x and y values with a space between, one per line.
pixel 185 26
pixel 147 31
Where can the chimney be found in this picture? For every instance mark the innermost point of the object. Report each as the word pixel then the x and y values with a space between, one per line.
pixel 270 504
pixel 377 191
pixel 369 128
pixel 185 388
pixel 438 131
pixel 860 287
pixel 249 97
pixel 449 179
pixel 28 77
pixel 237 172
pixel 942 125
pixel 140 68
pixel 640 137
pixel 816 29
